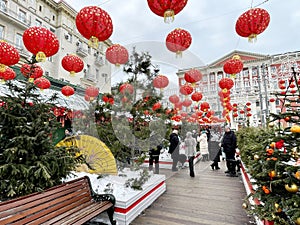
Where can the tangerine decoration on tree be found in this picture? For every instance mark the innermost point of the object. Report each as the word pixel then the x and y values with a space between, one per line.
pixel 167 8
pixel 178 40
pixel 252 23
pixel 94 24
pixel 41 42
pixel 42 83
pixel 117 54
pixel 72 64
pixel 160 81
pixel 31 71
pixel 67 90
pixel 9 55
pixel 193 76
pixel 233 66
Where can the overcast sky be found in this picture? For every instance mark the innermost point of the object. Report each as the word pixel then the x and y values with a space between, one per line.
pixel 210 22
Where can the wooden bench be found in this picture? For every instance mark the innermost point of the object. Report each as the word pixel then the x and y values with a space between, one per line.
pixel 73 202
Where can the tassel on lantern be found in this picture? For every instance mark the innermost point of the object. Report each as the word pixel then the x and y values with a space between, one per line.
pixel 30 80
pixel 2 68
pixel 169 16
pixel 40 57
pixel 72 73
pixel 252 38
pixel 93 42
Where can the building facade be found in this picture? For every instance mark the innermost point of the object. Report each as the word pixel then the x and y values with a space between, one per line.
pixel 256 84
pixel 18 15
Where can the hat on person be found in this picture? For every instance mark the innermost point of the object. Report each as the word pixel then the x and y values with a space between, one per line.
pixel 227 127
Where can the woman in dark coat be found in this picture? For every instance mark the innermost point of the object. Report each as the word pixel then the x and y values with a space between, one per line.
pixel 174 148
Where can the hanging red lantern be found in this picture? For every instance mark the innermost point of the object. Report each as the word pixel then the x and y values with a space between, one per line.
pixel 248 114
pixel 94 24
pixel 31 71
pixel 8 74
pixel 72 63
pixel 197 96
pixel 178 106
pixel 42 83
pixel 252 23
pixel 235 115
pixel 174 99
pixel 87 98
pixel 156 106
pixel 233 66
pixel 186 89
pixel 92 92
pixel 166 8
pixel 225 84
pixel 160 81
pixel 272 100
pixel 117 54
pixel 204 106
pixel 67 90
pixel 41 42
pixel 248 103
pixel 9 55
pixel 187 102
pixel 242 111
pixel 178 40
pixel 192 76
pixel 126 88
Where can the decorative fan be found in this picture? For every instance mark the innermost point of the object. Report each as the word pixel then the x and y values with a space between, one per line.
pixel 97 155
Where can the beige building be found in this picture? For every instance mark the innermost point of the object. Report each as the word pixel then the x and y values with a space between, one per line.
pixel 256 83
pixel 18 15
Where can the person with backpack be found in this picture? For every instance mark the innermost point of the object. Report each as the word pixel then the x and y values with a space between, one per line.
pixel 229 145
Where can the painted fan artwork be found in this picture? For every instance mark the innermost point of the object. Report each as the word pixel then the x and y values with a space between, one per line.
pixel 97 155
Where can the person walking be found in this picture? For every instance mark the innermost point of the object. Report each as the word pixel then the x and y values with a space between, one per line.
pixel 174 148
pixel 229 145
pixel 203 145
pixel 216 160
pixel 190 150
pixel 154 151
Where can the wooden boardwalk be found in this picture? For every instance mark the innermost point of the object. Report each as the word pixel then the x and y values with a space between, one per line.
pixel 210 198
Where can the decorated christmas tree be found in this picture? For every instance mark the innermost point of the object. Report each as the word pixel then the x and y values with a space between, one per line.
pixel 29 161
pixel 275 165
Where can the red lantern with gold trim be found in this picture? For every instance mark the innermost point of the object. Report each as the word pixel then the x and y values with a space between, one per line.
pixel 225 84
pixel 8 74
pixel 92 92
pixel 117 54
pixel 67 90
pixel 186 89
pixel 252 23
pixel 178 40
pixel 204 106
pixel 42 83
pixel 94 24
pixel 187 102
pixel 174 99
pixel 197 96
pixel 31 71
pixel 126 88
pixel 233 66
pixel 160 81
pixel 72 63
pixel 166 8
pixel 40 42
pixel 9 55
pixel 192 76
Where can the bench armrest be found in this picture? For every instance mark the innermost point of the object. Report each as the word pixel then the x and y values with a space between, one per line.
pixel 104 197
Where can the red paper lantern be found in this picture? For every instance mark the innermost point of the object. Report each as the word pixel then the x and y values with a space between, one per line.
pixel 126 88
pixel 72 64
pixel 204 106
pixel 92 92
pixel 8 74
pixel 252 23
pixel 94 24
pixel 178 105
pixel 87 98
pixel 187 102
pixel 9 55
pixel 248 103
pixel 160 81
pixel 272 100
pixel 117 54
pixel 166 8
pixel 197 96
pixel 174 99
pixel 42 83
pixel 31 71
pixel 40 42
pixel 178 40
pixel 233 66
pixel 67 91
pixel 235 115
pixel 156 106
pixel 192 76
pixel 186 89
pixel 226 84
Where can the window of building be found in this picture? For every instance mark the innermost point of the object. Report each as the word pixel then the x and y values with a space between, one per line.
pixel 19 41
pixel 52 30
pixel 40 8
pixel 50 59
pixel 38 23
pixel 1 32
pixel 53 17
pixel 204 79
pixel 68 37
pixel 3 5
pixel 89 49
pixel 97 75
pixel 22 16
pixel 212 77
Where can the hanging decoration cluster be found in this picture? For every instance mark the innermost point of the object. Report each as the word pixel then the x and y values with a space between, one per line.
pixel 226 84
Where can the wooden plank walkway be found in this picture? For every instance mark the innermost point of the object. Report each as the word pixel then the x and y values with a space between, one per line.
pixel 210 198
